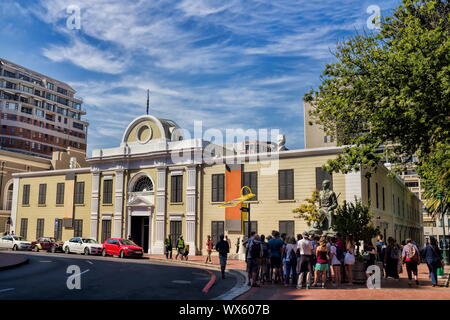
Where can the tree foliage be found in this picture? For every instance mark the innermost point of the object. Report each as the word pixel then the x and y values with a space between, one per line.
pixel 387 95
pixel 308 211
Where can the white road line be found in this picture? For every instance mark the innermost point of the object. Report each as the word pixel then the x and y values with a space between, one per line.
pixel 181 281
pixel 89 262
pixel 79 274
pixel 45 261
pixel 5 290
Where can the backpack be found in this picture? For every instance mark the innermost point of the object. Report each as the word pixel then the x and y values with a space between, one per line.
pixel 394 253
pixel 292 255
pixel 265 250
pixel 411 253
pixel 255 250
pixel 339 253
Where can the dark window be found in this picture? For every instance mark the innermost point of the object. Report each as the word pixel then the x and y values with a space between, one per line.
pixel 323 175
pixel 376 195
pixel 217 228
pixel 42 193
pixel 26 194
pixel 143 184
pixel 60 193
pixel 58 229
pixel 287 227
pixel 79 193
pixel 250 179
pixel 39 228
pixel 253 227
pixel 398 206
pixel 368 190
pixel 218 181
pixel 23 227
pixel 78 228
pixel 176 190
pixel 175 232
pixel 107 191
pixel 106 230
pixel 412 184
pixel 384 199
pixel 286 184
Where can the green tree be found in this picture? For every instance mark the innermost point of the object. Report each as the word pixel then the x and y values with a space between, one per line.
pixel 355 219
pixel 387 95
pixel 308 211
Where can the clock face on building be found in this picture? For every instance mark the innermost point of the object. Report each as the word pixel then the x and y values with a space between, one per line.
pixel 144 133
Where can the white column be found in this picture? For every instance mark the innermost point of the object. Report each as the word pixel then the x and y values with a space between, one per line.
pixel 160 218
pixel 14 204
pixel 118 204
pixel 191 219
pixel 150 231
pixel 128 222
pixel 94 203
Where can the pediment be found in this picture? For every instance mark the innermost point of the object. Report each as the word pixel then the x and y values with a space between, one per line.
pixel 140 201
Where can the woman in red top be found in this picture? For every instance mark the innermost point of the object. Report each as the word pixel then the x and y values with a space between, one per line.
pixel 322 262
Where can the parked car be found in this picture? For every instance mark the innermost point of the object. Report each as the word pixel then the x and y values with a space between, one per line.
pixel 82 245
pixel 46 243
pixel 122 248
pixel 14 243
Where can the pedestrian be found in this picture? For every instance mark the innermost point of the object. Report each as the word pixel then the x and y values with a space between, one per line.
pixel 380 245
pixel 209 247
pixel 290 261
pixel 168 246
pixel 254 260
pixel 335 258
pixel 411 257
pixel 305 265
pixel 275 245
pixel 264 271
pixel 433 257
pixel 186 252
pixel 180 247
pixel 349 259
pixel 322 254
pixel 370 254
pixel 248 244
pixel 223 248
pixel 228 240
pixel 391 257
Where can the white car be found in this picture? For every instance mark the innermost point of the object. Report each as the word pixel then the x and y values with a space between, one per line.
pixel 82 245
pixel 14 243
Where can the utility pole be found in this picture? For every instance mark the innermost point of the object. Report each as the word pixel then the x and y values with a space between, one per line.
pixel 148 100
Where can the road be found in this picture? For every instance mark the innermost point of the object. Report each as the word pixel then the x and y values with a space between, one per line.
pixel 45 277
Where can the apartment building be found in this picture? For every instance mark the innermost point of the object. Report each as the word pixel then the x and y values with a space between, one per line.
pixel 38 114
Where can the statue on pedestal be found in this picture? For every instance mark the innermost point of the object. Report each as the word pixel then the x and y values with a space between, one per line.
pixel 327 205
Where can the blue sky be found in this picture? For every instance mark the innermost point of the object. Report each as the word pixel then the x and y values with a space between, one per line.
pixel 232 64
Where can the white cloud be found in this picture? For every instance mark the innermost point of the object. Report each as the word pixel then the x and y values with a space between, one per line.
pixel 85 56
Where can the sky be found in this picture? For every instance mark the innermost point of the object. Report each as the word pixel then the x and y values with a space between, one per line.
pixel 230 64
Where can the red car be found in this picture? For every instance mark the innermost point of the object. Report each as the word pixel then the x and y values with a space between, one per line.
pixel 48 244
pixel 122 248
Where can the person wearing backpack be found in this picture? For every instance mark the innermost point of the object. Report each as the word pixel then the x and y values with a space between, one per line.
pixel 410 257
pixel 264 270
pixel 254 260
pixel 391 258
pixel 433 257
pixel 180 248
pixel 290 261
pixel 336 255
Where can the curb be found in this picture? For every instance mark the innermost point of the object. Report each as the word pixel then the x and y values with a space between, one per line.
pixel 17 264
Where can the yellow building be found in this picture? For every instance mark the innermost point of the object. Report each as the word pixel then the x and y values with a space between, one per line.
pixel 156 183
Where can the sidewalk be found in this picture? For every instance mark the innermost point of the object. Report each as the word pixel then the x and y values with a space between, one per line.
pixel 8 260
pixel 200 261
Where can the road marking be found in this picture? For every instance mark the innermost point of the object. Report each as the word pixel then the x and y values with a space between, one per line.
pixel 210 282
pixel 89 262
pixel 79 274
pixel 181 281
pixel 45 261
pixel 6 290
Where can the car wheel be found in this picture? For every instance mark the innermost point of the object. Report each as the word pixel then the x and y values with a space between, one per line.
pixel 86 251
pixel 104 252
pixel 53 249
pixel 66 250
pixel 14 247
pixel 121 255
pixel 36 249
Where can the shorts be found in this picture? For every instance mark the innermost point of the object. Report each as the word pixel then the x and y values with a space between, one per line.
pixel 305 264
pixel 253 265
pixel 223 260
pixel 321 267
pixel 275 262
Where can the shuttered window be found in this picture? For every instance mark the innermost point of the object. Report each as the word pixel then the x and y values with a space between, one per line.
pixel 217 228
pixel 322 175
pixel 58 229
pixel 24 227
pixel 175 232
pixel 79 193
pixel 286 184
pixel 60 193
pixel 26 194
pixel 78 228
pixel 39 228
pixel 250 179
pixel 176 191
pixel 42 193
pixel 106 230
pixel 287 227
pixel 218 190
pixel 107 191
pixel 253 227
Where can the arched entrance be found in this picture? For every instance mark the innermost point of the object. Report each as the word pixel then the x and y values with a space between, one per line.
pixel 140 206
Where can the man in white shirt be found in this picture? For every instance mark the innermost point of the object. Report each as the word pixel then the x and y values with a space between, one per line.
pixel 305 261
